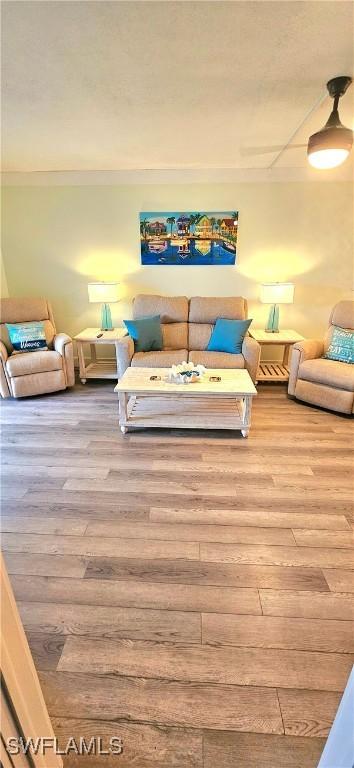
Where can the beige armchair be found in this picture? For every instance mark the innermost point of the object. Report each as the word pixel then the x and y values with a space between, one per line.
pixel 34 373
pixel 187 325
pixel 322 382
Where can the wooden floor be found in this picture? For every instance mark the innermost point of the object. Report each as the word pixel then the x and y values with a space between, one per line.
pixel 190 592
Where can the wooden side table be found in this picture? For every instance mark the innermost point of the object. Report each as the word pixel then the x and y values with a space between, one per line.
pixel 97 368
pixel 270 370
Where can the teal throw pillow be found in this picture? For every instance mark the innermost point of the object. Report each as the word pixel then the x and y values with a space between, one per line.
pixel 146 333
pixel 341 347
pixel 228 336
pixel 27 337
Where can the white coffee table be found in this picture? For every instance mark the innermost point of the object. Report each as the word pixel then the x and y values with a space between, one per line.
pixel 224 404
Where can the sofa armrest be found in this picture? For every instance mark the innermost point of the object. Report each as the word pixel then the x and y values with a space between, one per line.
pixel 64 345
pixel 309 349
pixel 251 351
pixel 125 352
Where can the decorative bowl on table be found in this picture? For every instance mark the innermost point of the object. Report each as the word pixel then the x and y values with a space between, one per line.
pixel 186 373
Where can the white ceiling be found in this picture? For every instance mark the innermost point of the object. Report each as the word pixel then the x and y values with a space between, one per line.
pixel 187 85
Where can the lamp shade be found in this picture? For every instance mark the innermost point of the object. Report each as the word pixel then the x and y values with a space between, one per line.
pixel 103 293
pixel 277 293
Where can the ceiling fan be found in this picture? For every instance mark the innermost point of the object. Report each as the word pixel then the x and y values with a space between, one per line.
pixel 329 146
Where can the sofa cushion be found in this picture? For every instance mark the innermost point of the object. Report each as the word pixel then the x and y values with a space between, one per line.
pixel 24 363
pixel 216 359
pixel 175 335
pixel 207 309
pixel 172 309
pixel 328 372
pixel 163 359
pixel 146 332
pixel 228 336
pixel 199 335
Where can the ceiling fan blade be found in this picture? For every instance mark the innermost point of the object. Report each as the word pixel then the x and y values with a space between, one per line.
pixel 249 151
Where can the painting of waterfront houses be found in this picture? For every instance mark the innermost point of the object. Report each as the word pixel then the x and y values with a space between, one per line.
pixel 193 238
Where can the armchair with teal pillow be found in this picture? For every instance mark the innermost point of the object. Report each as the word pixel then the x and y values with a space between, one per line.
pixel 34 358
pixel 321 370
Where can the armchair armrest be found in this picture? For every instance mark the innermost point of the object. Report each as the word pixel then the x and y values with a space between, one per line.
pixel 309 349
pixel 251 351
pixel 64 345
pixel 4 380
pixel 60 341
pixel 3 352
pixel 125 352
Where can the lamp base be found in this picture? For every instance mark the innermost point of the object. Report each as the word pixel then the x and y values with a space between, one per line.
pixel 273 320
pixel 106 318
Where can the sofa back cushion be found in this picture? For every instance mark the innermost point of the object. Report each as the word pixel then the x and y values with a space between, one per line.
pixel 26 310
pixel 199 335
pixel 172 309
pixel 205 311
pixel 175 335
pixel 208 309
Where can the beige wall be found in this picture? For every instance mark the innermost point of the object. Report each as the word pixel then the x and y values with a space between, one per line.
pixel 4 291
pixel 57 238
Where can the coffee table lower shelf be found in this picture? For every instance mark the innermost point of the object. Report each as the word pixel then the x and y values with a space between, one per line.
pixel 144 411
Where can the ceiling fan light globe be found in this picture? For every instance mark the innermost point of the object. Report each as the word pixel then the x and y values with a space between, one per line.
pixel 327 158
pixel 330 146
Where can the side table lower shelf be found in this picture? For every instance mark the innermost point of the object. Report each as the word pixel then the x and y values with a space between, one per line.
pixel 101 369
pixel 272 371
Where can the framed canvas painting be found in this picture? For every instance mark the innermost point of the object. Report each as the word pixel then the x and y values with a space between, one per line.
pixel 188 238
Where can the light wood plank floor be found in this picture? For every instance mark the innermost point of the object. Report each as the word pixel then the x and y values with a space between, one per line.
pixel 190 592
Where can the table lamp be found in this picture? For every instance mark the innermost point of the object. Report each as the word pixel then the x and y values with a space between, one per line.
pixel 105 294
pixel 274 294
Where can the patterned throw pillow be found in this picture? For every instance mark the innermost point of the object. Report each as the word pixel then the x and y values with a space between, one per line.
pixel 341 347
pixel 27 337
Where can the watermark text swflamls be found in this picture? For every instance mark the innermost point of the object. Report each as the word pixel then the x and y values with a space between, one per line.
pixel 41 745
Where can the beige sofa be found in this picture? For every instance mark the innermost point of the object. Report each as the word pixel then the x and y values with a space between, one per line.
pixel 33 373
pixel 187 325
pixel 322 382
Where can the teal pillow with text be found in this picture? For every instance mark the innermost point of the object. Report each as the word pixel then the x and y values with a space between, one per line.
pixel 341 347
pixel 27 337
